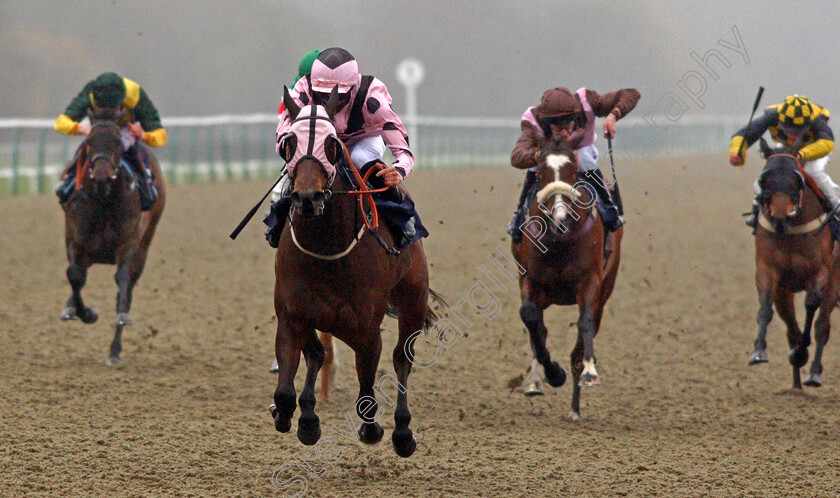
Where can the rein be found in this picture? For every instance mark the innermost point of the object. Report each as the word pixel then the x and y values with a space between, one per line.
pixel 82 166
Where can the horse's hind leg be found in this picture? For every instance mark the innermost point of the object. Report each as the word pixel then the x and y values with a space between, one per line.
pixel 287 347
pixel 367 359
pixel 309 426
pixel 577 370
pixel 77 276
pixel 587 293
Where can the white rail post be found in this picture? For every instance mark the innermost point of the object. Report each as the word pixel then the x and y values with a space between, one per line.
pixel 410 74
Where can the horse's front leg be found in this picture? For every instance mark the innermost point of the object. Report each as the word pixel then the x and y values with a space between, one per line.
pixel 309 426
pixel 368 350
pixel 787 312
pixel 587 292
pixel 766 282
pixel 287 346
pixel 77 276
pixel 822 328
pixel 531 313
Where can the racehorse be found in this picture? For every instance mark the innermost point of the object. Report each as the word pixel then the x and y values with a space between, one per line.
pixel 562 252
pixel 104 223
pixel 790 258
pixel 332 275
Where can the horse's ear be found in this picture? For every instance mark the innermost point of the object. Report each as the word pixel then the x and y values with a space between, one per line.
pixel 290 103
pixel 333 149
pixel 766 151
pixel 333 102
pixel 288 145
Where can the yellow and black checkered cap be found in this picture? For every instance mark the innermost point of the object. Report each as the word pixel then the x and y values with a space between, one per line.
pixel 796 111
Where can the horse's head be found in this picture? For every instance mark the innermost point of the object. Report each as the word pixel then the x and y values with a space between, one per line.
pixel 781 186
pixel 104 150
pixel 311 150
pixel 557 175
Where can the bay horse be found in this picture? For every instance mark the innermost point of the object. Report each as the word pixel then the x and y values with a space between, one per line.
pixel 104 223
pixel 331 274
pixel 790 257
pixel 562 252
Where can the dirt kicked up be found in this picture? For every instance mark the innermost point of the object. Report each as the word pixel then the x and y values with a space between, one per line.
pixel 679 411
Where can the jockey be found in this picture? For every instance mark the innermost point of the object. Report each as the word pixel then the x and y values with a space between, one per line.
pixel 801 126
pixel 365 122
pixel 560 112
pixel 142 121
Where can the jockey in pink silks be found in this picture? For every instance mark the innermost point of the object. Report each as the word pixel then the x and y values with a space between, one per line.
pixel 365 122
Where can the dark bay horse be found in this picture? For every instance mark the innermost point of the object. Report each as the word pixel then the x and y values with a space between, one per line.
pixel 104 223
pixel 332 275
pixel 562 252
pixel 790 259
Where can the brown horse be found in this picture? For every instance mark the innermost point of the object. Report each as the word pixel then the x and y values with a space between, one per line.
pixel 790 259
pixel 104 223
pixel 563 255
pixel 332 275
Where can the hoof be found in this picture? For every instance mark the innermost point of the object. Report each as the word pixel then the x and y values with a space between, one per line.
pixel 798 357
pixel 813 380
pixel 555 375
pixel 589 380
pixel 122 319
pixel 371 433
pixel 534 389
pixel 113 361
pixel 575 416
pixel 88 315
pixel 404 442
pixel 758 356
pixel 274 368
pixel 69 313
pixel 280 425
pixel 309 430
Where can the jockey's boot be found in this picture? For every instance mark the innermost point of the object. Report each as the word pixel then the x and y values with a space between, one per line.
pixel 612 220
pixel 143 178
pixel 66 186
pixel 515 226
pixel 752 216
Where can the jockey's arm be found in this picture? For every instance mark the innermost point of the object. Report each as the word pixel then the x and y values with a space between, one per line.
pixel 68 122
pixel 524 152
pixel 823 142
pixel 151 130
pixel 749 134
pixel 613 105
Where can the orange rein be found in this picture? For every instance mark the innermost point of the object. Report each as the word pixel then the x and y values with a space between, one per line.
pixel 81 167
pixel 364 192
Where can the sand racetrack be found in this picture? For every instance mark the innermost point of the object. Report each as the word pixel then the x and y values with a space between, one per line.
pixel 679 411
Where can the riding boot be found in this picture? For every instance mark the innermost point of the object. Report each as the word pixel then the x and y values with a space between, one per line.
pixel 143 178
pixel 612 220
pixel 752 217
pixel 514 228
pixel 66 186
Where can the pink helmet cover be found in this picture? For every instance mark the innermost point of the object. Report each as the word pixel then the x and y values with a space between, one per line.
pixel 345 76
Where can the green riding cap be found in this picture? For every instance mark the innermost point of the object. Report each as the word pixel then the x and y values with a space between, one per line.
pixel 305 66
pixel 108 90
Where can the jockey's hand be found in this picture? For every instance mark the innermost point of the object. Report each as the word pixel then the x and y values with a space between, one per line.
pixel 83 130
pixel 736 159
pixel 391 176
pixel 135 130
pixel 609 126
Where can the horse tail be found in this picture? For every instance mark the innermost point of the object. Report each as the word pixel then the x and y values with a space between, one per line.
pixel 433 312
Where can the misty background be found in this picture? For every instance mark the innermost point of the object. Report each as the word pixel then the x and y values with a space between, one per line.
pixel 482 58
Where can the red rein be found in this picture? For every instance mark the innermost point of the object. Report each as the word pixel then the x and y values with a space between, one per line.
pixel 82 166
